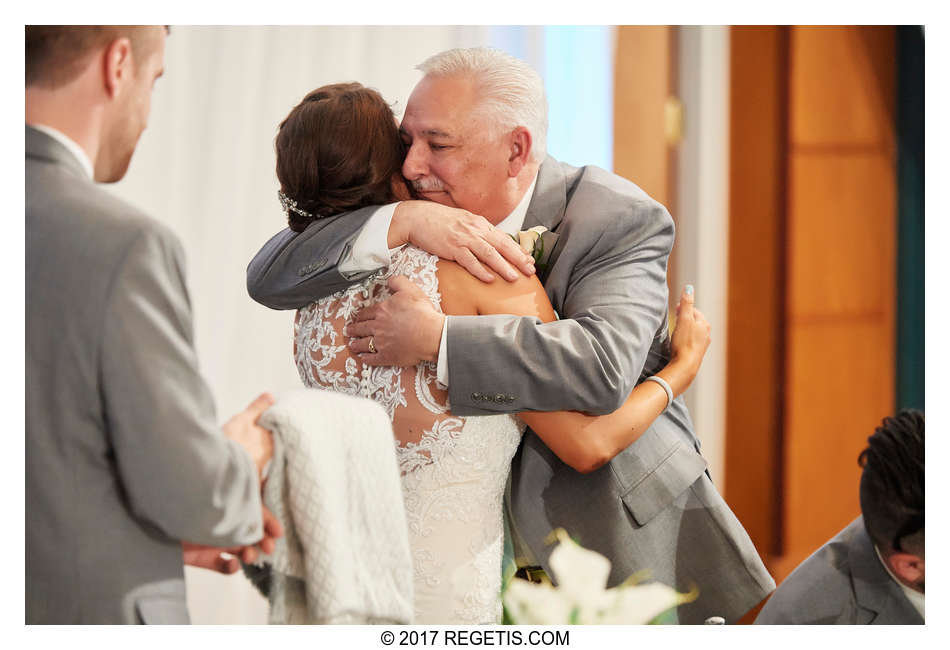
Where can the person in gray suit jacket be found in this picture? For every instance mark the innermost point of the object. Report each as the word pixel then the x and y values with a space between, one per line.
pixel 123 456
pixel 872 572
pixel 474 128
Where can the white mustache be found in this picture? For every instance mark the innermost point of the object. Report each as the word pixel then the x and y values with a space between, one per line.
pixel 428 185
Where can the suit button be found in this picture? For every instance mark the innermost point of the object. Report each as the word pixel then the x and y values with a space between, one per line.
pixel 499 398
pixel 476 396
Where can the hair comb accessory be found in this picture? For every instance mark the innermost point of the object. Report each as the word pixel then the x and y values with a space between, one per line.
pixel 290 205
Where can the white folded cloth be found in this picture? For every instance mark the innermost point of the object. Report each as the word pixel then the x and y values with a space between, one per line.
pixel 334 485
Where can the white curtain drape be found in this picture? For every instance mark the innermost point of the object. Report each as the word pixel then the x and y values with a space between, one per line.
pixel 205 167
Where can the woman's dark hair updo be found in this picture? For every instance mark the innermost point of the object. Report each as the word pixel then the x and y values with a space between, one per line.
pixel 338 150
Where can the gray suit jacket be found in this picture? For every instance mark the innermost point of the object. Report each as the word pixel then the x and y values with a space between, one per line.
pixel 653 506
pixel 842 583
pixel 123 456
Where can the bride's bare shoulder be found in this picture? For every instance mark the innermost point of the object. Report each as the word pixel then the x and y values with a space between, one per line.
pixel 457 287
pixel 464 294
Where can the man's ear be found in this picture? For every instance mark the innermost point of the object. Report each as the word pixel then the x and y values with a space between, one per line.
pixel 117 66
pixel 520 150
pixel 907 567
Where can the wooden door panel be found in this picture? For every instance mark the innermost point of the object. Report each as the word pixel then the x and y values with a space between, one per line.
pixel 839 387
pixel 844 79
pixel 755 331
pixel 813 184
pixel 643 80
pixel 841 235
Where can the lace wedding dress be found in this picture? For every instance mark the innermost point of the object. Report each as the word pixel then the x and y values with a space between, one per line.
pixel 453 469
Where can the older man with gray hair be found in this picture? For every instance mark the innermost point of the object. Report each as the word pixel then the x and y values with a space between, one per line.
pixel 475 129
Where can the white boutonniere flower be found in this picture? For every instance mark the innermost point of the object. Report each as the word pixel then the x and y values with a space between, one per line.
pixel 582 597
pixel 537 242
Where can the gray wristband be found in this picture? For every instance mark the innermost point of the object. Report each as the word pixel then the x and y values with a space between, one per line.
pixel 665 386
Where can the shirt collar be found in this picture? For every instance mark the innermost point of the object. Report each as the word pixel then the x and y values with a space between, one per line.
pixel 514 221
pixel 915 597
pixel 70 144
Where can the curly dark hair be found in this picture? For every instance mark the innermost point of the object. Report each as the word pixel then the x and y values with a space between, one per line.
pixel 892 484
pixel 338 150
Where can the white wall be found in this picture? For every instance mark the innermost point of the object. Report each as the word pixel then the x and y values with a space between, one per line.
pixel 703 236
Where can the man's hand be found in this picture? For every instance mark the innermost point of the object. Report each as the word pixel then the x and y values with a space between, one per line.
pixel 225 559
pixel 243 429
pixel 459 235
pixel 403 329
pixel 215 558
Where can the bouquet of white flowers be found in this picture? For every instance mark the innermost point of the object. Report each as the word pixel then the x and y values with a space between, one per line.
pixel 581 596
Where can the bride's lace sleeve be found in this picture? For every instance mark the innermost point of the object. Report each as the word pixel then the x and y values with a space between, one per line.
pixel 416 402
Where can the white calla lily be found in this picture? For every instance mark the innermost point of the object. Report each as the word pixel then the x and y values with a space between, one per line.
pixel 528 239
pixel 581 574
pixel 637 604
pixel 581 595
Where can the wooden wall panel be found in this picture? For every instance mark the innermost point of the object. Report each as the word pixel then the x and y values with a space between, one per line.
pixel 845 79
pixel 812 277
pixel 840 294
pixel 843 237
pixel 840 374
pixel 644 78
pixel 754 349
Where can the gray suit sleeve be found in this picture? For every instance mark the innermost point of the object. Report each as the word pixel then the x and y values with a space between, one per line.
pixel 293 270
pixel 614 306
pixel 178 469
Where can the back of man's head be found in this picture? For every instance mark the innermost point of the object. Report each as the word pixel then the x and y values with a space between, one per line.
pixel 892 484
pixel 511 91
pixel 57 54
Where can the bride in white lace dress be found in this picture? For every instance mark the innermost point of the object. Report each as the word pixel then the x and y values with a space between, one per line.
pixel 454 469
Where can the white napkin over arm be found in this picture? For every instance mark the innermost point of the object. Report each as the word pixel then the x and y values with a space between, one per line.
pixel 334 485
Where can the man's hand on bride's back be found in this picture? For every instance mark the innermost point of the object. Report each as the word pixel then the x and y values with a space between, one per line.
pixel 458 235
pixel 402 330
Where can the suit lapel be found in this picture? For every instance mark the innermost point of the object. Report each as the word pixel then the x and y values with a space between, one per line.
pixel 550 197
pixel 547 208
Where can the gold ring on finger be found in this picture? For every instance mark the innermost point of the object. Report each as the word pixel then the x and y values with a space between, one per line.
pixel 372 345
